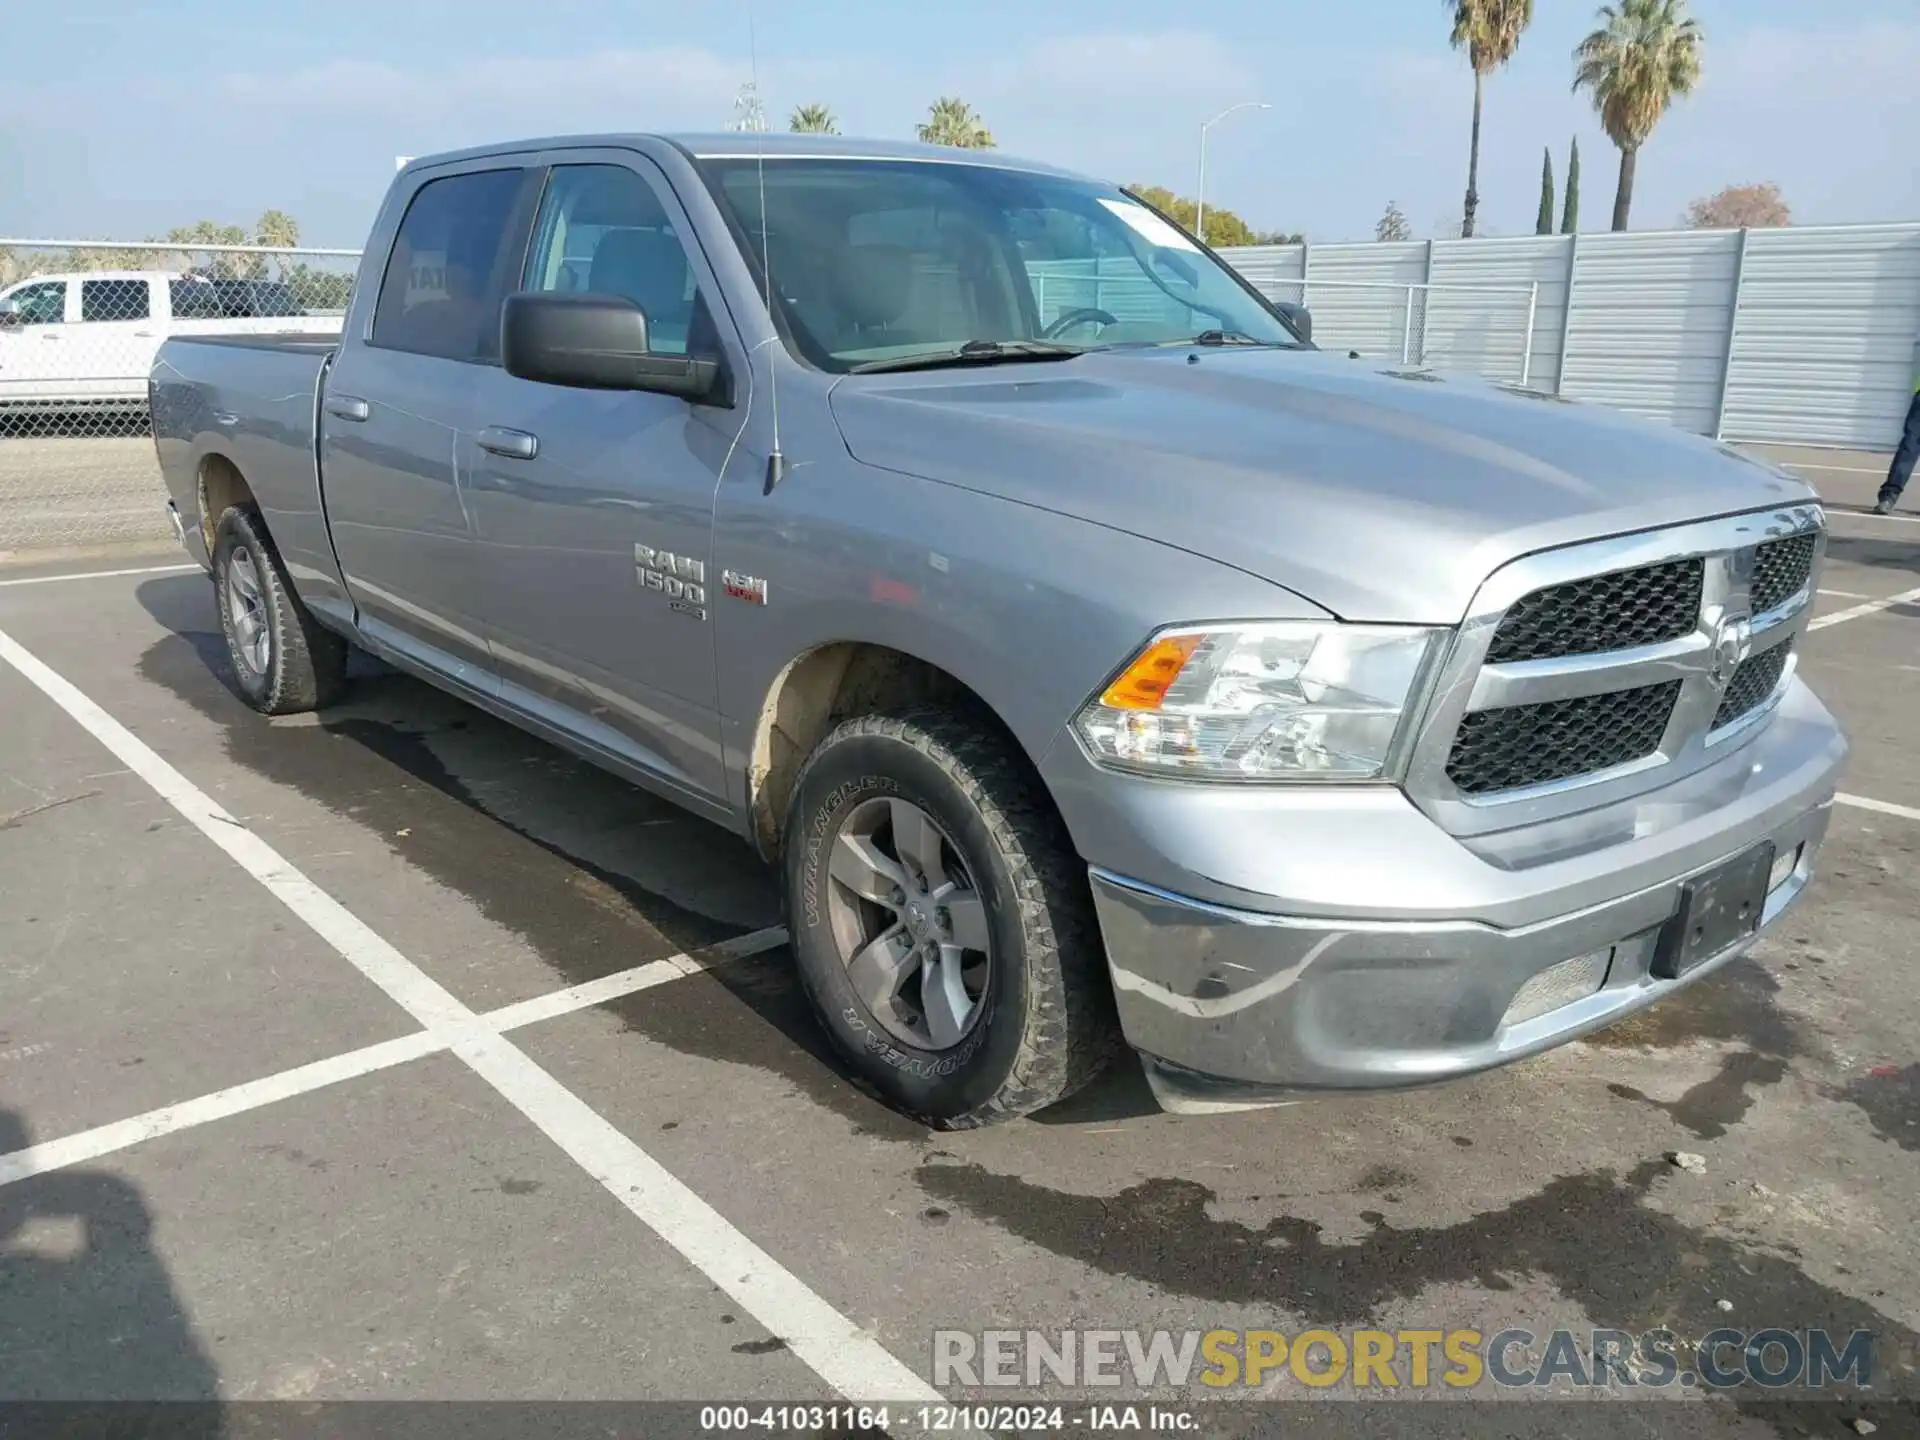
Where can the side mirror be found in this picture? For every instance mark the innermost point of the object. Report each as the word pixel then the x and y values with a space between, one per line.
pixel 596 342
pixel 1298 316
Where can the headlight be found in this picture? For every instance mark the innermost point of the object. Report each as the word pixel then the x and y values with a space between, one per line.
pixel 1283 700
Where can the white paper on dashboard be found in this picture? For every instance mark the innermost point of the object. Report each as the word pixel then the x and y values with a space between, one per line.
pixel 1149 225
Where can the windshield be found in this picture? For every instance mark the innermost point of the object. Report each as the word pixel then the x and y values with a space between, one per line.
pixel 881 260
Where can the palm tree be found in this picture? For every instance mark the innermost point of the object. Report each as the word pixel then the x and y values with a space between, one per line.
pixel 1489 31
pixel 951 121
pixel 812 120
pixel 277 228
pixel 1645 53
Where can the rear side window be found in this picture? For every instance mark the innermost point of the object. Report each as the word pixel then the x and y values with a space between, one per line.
pixel 194 300
pixel 113 300
pixel 458 250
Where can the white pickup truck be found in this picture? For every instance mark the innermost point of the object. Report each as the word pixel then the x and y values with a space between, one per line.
pixel 87 340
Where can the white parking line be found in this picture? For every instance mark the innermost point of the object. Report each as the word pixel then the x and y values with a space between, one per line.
pixel 85 1145
pixel 1833 514
pixel 1833 469
pixel 843 1355
pixel 1844 594
pixel 1870 607
pixel 640 977
pixel 96 575
pixel 1883 807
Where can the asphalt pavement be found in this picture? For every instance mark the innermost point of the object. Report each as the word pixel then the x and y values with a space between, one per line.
pixel 391 1054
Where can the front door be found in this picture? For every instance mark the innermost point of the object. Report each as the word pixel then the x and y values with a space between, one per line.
pixel 395 422
pixel 594 508
pixel 33 341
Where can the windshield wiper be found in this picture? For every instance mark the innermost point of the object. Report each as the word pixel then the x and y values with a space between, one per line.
pixel 1232 337
pixel 974 352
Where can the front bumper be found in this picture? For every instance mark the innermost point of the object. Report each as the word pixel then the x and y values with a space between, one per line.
pixel 1231 1003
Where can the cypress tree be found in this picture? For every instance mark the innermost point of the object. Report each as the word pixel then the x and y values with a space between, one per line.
pixel 1570 217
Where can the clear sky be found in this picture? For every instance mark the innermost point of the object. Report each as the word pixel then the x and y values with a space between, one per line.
pixel 120 119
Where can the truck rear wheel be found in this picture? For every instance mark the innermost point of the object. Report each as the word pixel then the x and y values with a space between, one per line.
pixel 283 659
pixel 942 922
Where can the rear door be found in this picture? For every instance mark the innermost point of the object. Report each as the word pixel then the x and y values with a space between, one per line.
pixel 33 335
pixel 110 350
pixel 395 422
pixel 595 507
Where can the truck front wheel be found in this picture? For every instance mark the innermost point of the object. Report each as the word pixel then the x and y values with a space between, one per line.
pixel 283 660
pixel 941 920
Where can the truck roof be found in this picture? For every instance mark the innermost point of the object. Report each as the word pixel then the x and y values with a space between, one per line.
pixel 773 145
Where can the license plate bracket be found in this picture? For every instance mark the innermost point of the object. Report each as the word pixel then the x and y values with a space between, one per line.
pixel 1716 910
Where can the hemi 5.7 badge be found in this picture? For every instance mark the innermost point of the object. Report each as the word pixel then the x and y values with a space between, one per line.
pixel 750 588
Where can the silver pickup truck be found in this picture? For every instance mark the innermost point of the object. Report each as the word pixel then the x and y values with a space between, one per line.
pixel 1096 657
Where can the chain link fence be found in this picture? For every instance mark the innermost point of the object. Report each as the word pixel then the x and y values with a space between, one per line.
pixel 80 322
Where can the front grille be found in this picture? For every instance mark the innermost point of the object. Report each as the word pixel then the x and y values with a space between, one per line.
pixel 1781 569
pixel 1522 745
pixel 1752 683
pixel 1615 611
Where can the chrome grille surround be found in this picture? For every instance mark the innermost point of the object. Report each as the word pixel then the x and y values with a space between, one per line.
pixel 1704 662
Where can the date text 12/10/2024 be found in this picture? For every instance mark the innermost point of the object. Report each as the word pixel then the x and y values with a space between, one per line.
pixel 961 1419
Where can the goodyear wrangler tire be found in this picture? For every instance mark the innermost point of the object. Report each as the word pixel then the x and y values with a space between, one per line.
pixel 941 921
pixel 283 659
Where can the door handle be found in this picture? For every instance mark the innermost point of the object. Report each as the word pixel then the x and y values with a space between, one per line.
pixel 347 407
pixel 514 444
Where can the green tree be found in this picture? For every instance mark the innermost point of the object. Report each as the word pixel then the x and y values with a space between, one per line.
pixel 812 120
pixel 1279 237
pixel 1570 213
pixel 1644 55
pixel 951 121
pixel 211 232
pixel 1393 224
pixel 1489 31
pixel 1223 226
pixel 278 229
pixel 1543 223
pixel 319 290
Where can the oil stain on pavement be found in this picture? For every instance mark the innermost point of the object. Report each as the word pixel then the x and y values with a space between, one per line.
pixel 1591 1236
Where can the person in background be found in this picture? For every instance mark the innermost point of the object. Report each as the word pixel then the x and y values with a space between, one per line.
pixel 1901 470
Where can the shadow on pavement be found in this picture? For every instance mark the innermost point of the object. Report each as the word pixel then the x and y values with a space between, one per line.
pixel 1878 552
pixel 88 1312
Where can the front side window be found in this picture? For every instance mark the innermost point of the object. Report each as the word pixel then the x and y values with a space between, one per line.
pixel 113 300
pixel 879 260
pixel 449 268
pixel 42 304
pixel 603 229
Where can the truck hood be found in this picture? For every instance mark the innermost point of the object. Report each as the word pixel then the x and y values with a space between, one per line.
pixel 1376 492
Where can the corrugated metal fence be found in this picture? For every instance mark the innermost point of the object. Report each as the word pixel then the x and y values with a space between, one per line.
pixel 1808 335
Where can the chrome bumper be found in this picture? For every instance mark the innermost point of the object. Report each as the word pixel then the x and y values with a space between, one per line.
pixel 1232 1005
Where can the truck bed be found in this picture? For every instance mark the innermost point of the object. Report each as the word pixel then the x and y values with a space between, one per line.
pixel 252 400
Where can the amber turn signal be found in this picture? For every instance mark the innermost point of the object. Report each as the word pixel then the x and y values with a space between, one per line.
pixel 1144 683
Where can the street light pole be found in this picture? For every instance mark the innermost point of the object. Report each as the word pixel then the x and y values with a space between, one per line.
pixel 1200 197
